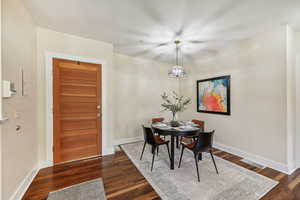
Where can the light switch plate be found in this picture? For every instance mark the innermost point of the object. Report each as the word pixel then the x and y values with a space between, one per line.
pixel 8 89
pixel 3 119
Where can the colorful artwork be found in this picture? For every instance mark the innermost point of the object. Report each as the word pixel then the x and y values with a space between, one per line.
pixel 213 95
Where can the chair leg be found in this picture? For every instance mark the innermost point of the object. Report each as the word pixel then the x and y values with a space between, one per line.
pixel 196 162
pixel 153 158
pixel 200 156
pixel 181 156
pixel 143 150
pixel 213 159
pixel 169 151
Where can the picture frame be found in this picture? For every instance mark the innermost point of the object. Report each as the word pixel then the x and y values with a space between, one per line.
pixel 213 95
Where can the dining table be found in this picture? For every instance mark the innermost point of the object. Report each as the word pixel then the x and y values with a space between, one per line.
pixel 165 129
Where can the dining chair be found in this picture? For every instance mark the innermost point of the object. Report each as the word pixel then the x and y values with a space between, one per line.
pixel 155 141
pixel 198 123
pixel 203 143
pixel 157 120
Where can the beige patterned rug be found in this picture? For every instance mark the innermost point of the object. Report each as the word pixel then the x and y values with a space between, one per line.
pixel 232 183
pixel 91 190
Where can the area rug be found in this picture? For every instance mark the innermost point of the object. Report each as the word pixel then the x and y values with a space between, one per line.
pixel 232 183
pixel 91 190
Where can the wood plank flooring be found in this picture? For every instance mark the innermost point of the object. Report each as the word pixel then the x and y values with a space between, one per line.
pixel 122 181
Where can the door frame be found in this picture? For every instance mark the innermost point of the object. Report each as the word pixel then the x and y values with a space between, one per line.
pixel 49 56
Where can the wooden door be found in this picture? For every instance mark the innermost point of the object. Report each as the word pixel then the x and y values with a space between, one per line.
pixel 76 110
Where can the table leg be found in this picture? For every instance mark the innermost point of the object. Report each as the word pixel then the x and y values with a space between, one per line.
pixel 200 156
pixel 172 152
pixel 177 142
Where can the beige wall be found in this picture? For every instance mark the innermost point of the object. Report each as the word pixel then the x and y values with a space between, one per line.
pixel 297 40
pixel 1 101
pixel 65 44
pixel 19 150
pixel 291 96
pixel 139 84
pixel 257 67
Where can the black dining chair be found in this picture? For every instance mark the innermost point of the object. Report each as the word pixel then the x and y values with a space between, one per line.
pixel 200 124
pixel 203 143
pixel 158 120
pixel 155 141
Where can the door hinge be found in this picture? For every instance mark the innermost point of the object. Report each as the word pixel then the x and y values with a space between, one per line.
pixel 52 148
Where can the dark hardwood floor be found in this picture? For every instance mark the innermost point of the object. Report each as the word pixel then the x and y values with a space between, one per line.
pixel 122 181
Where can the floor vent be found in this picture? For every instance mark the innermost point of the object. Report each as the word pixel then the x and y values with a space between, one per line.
pixel 253 163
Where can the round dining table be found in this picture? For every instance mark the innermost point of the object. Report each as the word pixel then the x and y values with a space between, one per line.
pixel 175 132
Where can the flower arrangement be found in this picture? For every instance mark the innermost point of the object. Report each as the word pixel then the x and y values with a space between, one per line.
pixel 174 103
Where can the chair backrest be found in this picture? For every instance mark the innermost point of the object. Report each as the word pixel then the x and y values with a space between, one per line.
pixel 199 123
pixel 148 135
pixel 204 141
pixel 156 120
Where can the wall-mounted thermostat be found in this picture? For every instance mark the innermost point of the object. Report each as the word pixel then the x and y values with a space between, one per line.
pixel 8 89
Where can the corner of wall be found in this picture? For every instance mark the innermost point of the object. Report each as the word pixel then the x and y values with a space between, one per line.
pixel 291 97
pixel 0 100
pixel 297 145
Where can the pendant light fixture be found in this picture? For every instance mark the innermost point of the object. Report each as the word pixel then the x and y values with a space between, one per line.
pixel 177 71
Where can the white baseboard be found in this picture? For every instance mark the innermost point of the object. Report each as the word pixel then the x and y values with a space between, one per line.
pixel 19 193
pixel 128 140
pixel 255 158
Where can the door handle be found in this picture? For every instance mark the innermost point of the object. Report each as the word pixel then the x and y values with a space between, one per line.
pixel 99 107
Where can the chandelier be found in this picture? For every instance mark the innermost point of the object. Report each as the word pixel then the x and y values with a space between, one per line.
pixel 177 71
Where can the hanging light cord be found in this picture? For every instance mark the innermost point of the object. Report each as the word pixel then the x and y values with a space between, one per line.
pixel 177 42
pixel 177 71
pixel 176 54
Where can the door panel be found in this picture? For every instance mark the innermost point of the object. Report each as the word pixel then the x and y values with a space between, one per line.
pixel 71 141
pixel 68 125
pixel 76 113
pixel 78 107
pixel 78 153
pixel 73 76
pixel 77 99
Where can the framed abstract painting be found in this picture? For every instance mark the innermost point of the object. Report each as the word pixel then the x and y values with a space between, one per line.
pixel 213 95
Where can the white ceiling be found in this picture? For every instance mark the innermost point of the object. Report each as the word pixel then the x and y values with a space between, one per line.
pixel 149 27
